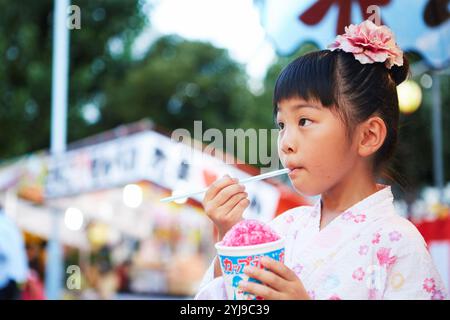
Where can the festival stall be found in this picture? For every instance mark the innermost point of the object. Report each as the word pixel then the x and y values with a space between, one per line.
pixel 110 220
pixel 437 235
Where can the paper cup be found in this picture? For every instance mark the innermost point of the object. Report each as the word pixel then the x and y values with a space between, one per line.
pixel 234 259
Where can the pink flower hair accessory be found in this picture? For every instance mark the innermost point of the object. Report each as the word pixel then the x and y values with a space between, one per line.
pixel 369 43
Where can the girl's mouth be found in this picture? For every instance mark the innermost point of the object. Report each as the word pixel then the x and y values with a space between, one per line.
pixel 294 171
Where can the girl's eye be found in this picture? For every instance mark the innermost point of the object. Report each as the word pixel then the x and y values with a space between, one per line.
pixel 280 125
pixel 304 122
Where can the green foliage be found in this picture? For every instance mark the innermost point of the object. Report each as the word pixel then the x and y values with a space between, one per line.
pixel 178 82
pixel 25 71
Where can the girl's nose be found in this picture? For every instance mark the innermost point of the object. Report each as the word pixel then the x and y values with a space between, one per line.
pixel 287 143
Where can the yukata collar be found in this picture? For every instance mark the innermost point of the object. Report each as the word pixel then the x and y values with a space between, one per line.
pixel 383 197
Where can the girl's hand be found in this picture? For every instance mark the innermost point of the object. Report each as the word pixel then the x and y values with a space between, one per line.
pixel 278 282
pixel 224 203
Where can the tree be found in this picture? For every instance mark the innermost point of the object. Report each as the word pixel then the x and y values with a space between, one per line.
pixel 178 82
pixel 98 51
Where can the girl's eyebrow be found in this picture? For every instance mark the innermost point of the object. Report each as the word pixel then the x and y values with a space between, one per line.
pixel 299 106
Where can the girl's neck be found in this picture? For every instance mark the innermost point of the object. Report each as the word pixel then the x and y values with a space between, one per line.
pixel 356 186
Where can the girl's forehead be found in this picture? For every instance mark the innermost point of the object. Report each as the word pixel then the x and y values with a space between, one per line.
pixel 296 103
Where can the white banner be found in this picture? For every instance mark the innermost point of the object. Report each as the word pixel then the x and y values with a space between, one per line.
pixel 153 157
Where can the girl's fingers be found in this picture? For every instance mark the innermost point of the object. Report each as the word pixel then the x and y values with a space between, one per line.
pixel 239 208
pixel 278 268
pixel 226 193
pixel 232 202
pixel 215 188
pixel 268 278
pixel 258 290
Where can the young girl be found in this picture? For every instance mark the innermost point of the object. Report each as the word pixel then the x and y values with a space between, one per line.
pixel 337 112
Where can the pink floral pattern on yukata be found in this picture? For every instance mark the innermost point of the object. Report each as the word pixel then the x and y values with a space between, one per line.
pixel 297 269
pixel 358 274
pixel 312 294
pixel 347 215
pixel 429 285
pixel 363 250
pixel 395 236
pixel 384 257
pixel 376 238
pixel 289 219
pixel 373 294
pixel 437 295
pixel 334 297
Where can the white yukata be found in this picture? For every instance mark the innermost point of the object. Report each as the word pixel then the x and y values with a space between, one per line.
pixel 367 252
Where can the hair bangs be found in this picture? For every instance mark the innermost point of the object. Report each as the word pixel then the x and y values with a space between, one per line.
pixel 310 77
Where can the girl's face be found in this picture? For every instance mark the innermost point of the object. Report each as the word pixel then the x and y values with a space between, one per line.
pixel 312 142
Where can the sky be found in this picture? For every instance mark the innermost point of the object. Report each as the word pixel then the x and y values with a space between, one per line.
pixel 229 24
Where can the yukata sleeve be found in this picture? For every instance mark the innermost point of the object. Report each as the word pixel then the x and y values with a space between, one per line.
pixel 414 276
pixel 211 288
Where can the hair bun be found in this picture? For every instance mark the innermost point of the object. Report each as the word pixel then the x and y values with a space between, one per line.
pixel 399 74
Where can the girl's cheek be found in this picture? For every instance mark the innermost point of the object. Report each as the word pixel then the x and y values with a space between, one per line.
pixel 281 137
pixel 280 154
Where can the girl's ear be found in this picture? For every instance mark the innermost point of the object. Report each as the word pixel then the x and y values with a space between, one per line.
pixel 371 135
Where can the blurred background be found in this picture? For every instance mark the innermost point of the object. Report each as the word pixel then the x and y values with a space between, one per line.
pixel 87 110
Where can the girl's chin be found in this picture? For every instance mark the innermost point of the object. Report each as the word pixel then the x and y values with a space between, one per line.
pixel 303 187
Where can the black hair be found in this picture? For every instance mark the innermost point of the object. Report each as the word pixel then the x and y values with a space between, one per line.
pixel 353 90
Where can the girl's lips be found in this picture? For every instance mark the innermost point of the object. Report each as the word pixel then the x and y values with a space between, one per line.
pixel 294 171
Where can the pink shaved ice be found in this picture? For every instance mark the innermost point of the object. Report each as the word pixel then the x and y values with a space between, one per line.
pixel 248 233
